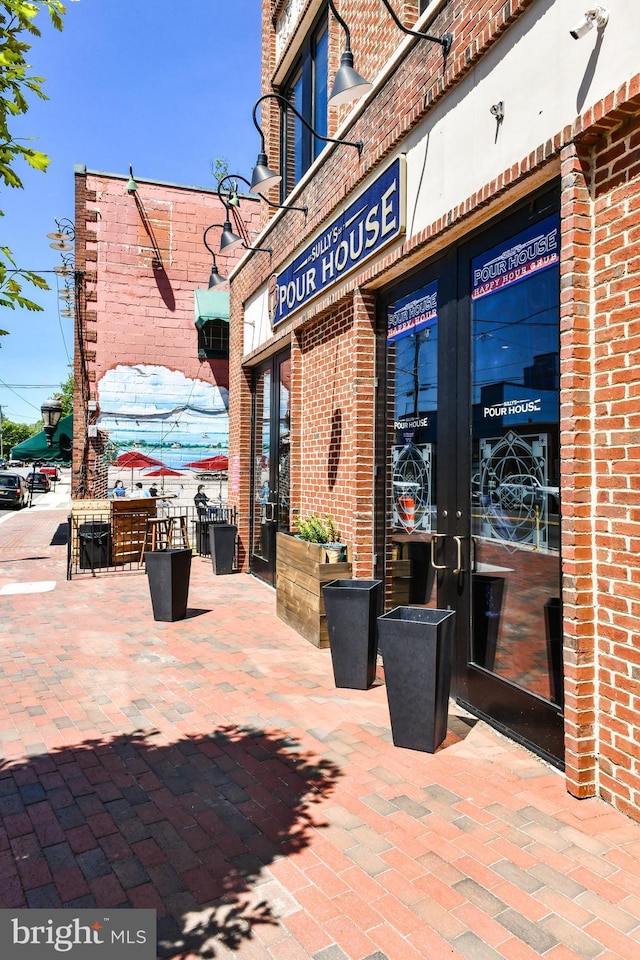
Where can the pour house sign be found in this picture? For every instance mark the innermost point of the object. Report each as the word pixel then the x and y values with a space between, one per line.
pixel 373 220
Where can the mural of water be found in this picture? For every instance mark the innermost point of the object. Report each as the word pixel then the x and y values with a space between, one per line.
pixel 163 414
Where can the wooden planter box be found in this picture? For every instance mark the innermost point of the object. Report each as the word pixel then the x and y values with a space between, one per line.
pixel 301 570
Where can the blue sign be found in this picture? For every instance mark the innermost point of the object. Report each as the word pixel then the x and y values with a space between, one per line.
pixel 529 252
pixel 369 223
pixel 413 313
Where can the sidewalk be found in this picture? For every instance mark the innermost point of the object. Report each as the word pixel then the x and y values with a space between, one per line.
pixel 211 770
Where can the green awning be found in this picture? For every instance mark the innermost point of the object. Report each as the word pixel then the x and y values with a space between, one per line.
pixel 210 305
pixel 35 448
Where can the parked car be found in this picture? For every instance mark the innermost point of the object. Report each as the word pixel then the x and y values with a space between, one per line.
pixel 51 471
pixel 13 491
pixel 3 463
pixel 38 481
pixel 16 463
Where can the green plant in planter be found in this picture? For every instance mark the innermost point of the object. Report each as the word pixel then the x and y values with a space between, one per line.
pixel 317 529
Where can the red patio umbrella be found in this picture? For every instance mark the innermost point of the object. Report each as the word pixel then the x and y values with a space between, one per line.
pixel 163 472
pixel 218 462
pixel 136 460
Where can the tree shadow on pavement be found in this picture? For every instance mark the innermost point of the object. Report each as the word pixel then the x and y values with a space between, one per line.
pixel 186 828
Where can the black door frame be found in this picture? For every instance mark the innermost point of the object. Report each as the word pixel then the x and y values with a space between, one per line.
pixel 268 517
pixel 522 715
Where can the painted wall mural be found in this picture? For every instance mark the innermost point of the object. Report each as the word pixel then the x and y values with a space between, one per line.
pixel 162 413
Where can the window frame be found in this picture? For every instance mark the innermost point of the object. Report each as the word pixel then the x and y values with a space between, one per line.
pixel 298 147
pixel 213 339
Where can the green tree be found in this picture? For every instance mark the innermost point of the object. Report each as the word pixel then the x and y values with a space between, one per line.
pixel 17 27
pixel 14 433
pixel 66 395
pixel 219 169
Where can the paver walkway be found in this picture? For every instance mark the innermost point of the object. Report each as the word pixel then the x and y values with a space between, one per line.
pixel 211 770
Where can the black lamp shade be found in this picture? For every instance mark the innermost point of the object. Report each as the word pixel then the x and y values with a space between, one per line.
pixel 349 84
pixel 263 177
pixel 229 239
pixel 214 278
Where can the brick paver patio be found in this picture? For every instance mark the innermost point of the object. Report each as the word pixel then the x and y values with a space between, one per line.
pixel 211 770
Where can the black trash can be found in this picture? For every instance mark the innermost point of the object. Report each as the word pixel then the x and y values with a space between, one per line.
pixel 222 539
pixel 95 544
pixel 202 538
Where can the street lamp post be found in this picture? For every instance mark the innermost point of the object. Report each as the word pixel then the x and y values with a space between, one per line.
pixel 51 413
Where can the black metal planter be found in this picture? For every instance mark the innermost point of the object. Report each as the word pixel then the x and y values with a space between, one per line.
pixel 168 572
pixel 222 539
pixel 417 651
pixel 351 607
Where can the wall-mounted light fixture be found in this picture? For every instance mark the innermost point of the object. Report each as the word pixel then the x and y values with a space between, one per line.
pixel 215 278
pixel 132 186
pixel 229 240
pixel 598 16
pixel 62 239
pixel 263 177
pixel 348 84
pixel 63 236
pixel 233 197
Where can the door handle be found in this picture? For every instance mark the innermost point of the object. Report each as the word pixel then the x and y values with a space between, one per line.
pixel 269 512
pixel 442 566
pixel 434 537
pixel 458 567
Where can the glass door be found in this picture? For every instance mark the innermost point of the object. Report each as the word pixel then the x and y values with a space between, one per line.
pixel 270 458
pixel 474 525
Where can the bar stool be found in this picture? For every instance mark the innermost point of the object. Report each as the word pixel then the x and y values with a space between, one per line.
pixel 157 535
pixel 183 530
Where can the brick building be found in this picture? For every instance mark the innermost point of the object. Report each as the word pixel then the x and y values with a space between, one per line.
pixel 151 364
pixel 443 351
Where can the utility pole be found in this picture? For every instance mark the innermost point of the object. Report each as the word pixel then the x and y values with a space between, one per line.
pixel 1 435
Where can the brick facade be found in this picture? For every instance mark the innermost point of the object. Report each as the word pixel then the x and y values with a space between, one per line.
pixel 594 154
pixel 141 256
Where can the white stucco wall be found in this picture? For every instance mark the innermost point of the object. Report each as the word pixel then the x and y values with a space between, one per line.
pixel 545 79
pixel 257 325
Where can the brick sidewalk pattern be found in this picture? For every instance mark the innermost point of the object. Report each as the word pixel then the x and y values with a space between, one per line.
pixel 211 770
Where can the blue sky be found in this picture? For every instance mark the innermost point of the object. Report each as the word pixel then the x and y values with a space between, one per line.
pixel 162 85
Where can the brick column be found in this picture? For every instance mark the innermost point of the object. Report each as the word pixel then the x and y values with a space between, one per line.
pixel 576 365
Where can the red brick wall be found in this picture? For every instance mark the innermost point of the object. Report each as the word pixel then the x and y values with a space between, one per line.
pixel 144 257
pixel 616 437
pixel 597 159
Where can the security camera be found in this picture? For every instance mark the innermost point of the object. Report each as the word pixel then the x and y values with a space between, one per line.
pixel 597 15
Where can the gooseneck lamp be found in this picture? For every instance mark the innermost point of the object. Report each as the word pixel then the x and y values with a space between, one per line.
pixel 234 200
pixel 215 278
pixel 348 84
pixel 263 176
pixel 445 40
pixel 230 240
pixel 132 186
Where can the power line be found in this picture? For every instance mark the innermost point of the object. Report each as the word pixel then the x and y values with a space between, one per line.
pixel 28 402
